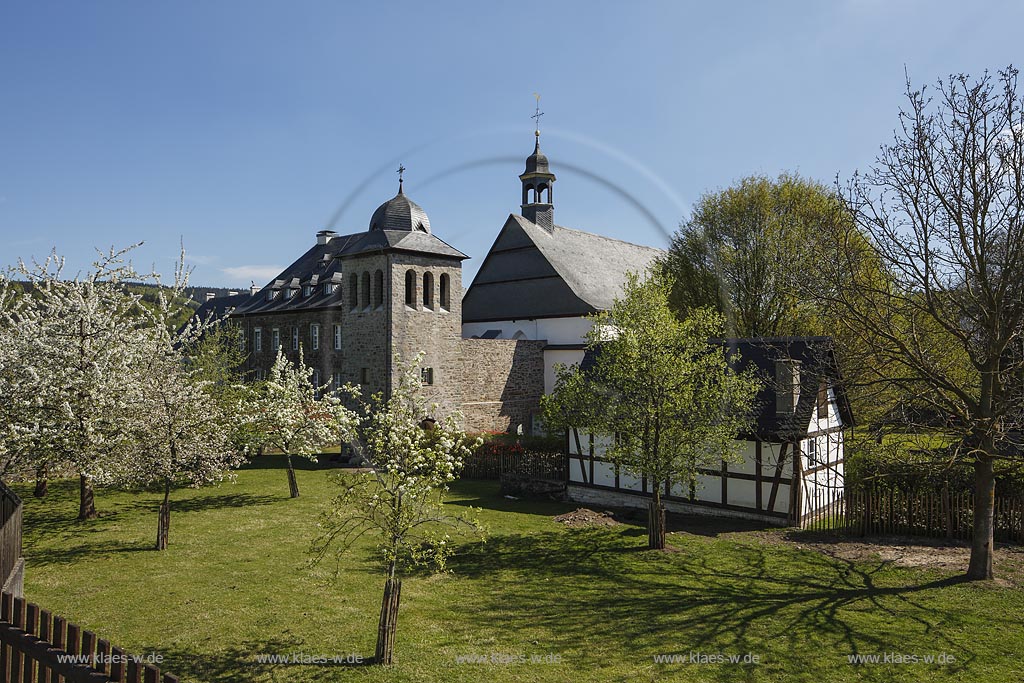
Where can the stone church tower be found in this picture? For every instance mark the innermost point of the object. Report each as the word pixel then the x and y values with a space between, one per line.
pixel 352 302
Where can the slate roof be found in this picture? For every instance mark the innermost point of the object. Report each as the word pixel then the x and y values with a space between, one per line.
pixel 532 273
pixel 400 213
pixel 817 359
pixel 219 306
pixel 538 161
pixel 323 263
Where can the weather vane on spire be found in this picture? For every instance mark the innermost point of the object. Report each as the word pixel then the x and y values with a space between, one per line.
pixel 536 116
pixel 401 170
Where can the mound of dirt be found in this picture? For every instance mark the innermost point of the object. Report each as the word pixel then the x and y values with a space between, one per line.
pixel 584 517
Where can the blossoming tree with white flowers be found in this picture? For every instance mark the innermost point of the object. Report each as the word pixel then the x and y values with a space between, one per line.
pixel 19 431
pixel 180 430
pixel 413 457
pixel 295 416
pixel 78 343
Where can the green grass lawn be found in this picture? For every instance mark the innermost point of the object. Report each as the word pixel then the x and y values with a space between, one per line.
pixel 233 584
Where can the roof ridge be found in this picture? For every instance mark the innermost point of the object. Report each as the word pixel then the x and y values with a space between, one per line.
pixel 605 237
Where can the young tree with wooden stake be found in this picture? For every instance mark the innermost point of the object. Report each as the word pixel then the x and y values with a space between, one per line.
pixel 659 389
pixel 181 431
pixel 296 417
pixel 413 458
pixel 182 436
pixel 943 207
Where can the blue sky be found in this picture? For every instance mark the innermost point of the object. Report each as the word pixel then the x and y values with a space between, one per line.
pixel 242 128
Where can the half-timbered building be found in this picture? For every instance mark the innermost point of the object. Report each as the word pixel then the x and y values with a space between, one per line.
pixel 791 466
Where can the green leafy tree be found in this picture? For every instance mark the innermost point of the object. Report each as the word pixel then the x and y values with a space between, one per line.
pixel 216 358
pixel 413 456
pixel 758 252
pixel 665 395
pixel 745 250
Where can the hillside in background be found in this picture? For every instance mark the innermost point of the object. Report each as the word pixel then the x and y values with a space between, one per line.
pixel 187 304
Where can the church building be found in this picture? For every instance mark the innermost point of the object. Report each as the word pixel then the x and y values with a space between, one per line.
pixel 353 303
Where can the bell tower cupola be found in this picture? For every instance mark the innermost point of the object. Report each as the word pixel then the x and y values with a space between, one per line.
pixel 538 200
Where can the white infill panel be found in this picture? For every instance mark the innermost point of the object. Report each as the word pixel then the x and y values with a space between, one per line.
pixel 604 474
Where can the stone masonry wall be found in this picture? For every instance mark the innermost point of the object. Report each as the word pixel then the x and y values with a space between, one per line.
pixel 502 381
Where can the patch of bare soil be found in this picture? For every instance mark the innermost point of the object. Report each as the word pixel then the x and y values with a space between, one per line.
pixel 582 517
pixel 937 557
pixel 908 552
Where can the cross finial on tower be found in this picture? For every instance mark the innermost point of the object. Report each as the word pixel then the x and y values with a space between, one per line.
pixel 401 170
pixel 536 116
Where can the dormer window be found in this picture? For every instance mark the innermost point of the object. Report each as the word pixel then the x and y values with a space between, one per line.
pixel 289 293
pixel 787 386
pixel 307 290
pixel 328 288
pixel 271 294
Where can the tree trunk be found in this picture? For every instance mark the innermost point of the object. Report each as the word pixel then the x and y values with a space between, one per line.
pixel 86 499
pixel 388 621
pixel 163 525
pixel 293 483
pixel 656 522
pixel 980 567
pixel 42 485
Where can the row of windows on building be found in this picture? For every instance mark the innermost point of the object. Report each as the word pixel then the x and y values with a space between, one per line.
pixel 295 331
pixel 367 293
pixel 426 293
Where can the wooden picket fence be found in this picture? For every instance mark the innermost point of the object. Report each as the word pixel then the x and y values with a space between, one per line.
pixel 531 464
pixel 10 539
pixel 40 647
pixel 875 510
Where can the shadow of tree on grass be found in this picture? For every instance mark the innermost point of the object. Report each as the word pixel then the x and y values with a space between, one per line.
pixel 242 662
pixel 600 585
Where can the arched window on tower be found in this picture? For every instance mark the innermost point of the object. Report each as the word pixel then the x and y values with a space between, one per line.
pixel 526 193
pixel 540 194
pixel 378 289
pixel 428 290
pixel 353 291
pixel 366 289
pixel 445 291
pixel 410 288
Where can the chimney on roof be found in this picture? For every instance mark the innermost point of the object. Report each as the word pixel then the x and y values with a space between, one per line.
pixel 232 293
pixel 210 295
pixel 253 288
pixel 324 236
